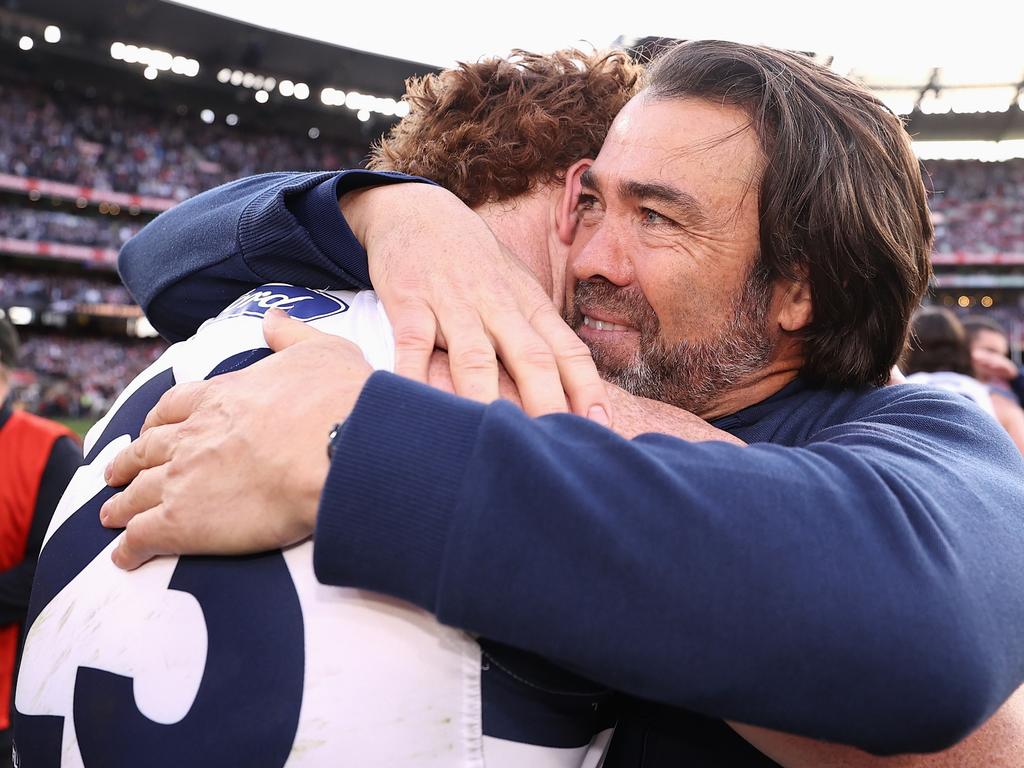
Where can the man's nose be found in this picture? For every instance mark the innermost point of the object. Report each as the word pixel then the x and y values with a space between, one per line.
pixel 604 255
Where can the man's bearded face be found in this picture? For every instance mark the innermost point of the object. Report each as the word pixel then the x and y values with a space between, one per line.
pixel 692 373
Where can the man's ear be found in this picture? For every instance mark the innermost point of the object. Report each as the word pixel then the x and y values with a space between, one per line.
pixel 795 308
pixel 565 215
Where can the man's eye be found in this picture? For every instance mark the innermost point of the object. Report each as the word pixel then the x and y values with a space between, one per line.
pixel 653 217
pixel 586 202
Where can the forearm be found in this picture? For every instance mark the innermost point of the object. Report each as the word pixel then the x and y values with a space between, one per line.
pixel 198 257
pixel 706 575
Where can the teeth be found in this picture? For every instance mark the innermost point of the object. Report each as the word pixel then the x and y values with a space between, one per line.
pixel 601 325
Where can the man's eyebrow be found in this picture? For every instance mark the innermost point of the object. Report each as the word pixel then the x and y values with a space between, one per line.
pixel 680 201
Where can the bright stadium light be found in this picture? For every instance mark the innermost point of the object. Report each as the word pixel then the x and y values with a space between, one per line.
pixel 231 119
pixel 117 51
pixel 207 116
pixel 248 79
pixel 301 91
pixel 269 83
pixel 237 76
pixel 224 75
pixel 314 133
pixel 20 315
pixel 52 34
pixel 286 88
pixel 150 73
pixel 402 109
pixel 990 151
pixel 262 97
pixel 363 115
pixel 25 44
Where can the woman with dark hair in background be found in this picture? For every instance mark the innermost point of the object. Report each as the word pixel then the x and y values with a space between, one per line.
pixel 940 356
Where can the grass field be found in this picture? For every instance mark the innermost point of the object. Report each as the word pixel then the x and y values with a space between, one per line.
pixel 78 426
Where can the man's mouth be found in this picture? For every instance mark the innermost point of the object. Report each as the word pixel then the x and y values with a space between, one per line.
pixel 605 325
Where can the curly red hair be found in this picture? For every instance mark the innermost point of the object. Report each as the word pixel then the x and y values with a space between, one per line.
pixel 500 127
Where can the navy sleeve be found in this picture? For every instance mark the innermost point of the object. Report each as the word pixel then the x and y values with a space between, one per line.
pixel 863 588
pixel 16 582
pixel 193 260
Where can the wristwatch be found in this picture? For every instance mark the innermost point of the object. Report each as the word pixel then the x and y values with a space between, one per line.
pixel 332 439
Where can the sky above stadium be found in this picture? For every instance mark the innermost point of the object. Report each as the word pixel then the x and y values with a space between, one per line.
pixel 864 33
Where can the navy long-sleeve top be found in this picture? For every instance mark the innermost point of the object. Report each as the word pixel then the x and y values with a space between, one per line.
pixel 855 574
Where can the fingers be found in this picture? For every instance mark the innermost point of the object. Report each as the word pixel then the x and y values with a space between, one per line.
pixel 145 537
pixel 532 365
pixel 144 493
pixel 583 386
pixel 471 354
pixel 282 331
pixel 149 450
pixel 176 404
pixel 415 328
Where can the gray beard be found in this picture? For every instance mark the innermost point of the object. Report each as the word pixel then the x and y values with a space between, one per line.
pixel 691 374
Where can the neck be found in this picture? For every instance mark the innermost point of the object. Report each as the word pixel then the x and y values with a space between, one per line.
pixel 526 226
pixel 783 368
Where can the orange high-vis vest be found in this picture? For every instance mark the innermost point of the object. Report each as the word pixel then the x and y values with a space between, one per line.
pixel 26 442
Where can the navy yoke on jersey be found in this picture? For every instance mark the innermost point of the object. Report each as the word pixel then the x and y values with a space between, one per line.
pixel 856 576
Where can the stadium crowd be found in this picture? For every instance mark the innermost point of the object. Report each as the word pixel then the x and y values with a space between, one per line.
pixel 20 223
pixel 59 293
pixel 978 207
pixel 78 377
pixel 127 149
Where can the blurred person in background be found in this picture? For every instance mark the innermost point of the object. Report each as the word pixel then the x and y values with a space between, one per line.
pixel 37 461
pixel 940 356
pixel 990 357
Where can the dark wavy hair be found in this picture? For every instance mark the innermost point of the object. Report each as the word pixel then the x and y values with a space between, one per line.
pixel 498 128
pixel 842 200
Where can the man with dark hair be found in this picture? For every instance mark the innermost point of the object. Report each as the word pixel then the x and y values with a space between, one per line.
pixel 37 460
pixel 823 580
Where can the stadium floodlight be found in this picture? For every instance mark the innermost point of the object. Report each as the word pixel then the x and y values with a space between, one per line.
pixel 131 54
pixel 237 76
pixel 248 80
pixel 286 88
pixel 262 97
pixel 117 51
pixel 402 109
pixel 363 115
pixel 51 34
pixel 20 315
pixel 301 91
pixel 207 116
pixel 314 133
pixel 224 75
pixel 269 84
pixel 231 119
pixel 150 73
pixel 26 44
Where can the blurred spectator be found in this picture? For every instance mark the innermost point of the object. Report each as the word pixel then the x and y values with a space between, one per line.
pixel 37 461
pixel 940 356
pixel 990 357
pixel 129 149
pixel 79 378
pixel 60 293
pixel 21 223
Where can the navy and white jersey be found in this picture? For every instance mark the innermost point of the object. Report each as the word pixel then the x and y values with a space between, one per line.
pixel 210 662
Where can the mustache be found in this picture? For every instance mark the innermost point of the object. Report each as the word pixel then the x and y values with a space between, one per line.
pixel 627 303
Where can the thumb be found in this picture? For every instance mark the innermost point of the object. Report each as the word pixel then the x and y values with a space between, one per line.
pixel 281 331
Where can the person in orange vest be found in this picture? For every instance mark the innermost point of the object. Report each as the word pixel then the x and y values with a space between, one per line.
pixel 38 457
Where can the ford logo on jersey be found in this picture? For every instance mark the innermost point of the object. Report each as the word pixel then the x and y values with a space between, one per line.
pixel 301 303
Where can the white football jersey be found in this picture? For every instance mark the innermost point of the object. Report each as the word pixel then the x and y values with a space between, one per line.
pixel 247 661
